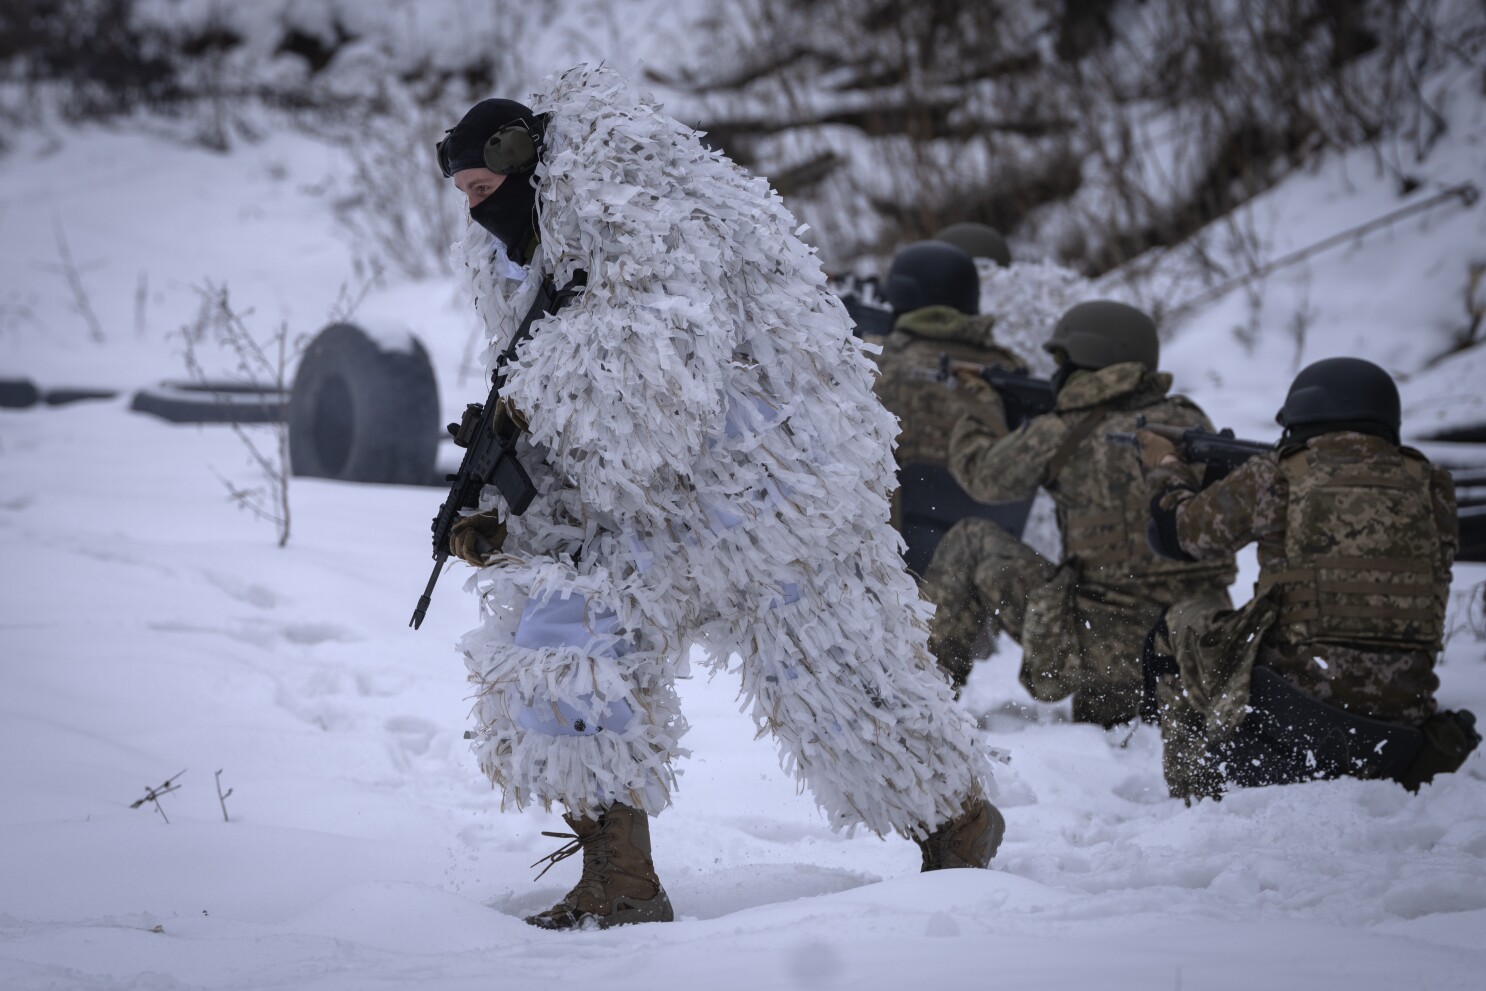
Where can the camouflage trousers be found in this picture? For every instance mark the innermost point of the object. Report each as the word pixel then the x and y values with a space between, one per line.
pixel 1208 650
pixel 1079 637
pixel 1212 651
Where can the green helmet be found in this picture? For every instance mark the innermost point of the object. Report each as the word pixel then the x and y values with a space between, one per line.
pixel 932 273
pixel 1102 332
pixel 1341 390
pixel 977 241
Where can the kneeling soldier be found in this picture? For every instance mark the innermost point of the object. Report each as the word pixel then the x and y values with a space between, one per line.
pixel 934 292
pixel 1329 670
pixel 1080 621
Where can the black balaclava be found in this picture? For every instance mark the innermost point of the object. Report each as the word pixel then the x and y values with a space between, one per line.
pixel 1064 370
pixel 1302 433
pixel 1062 374
pixel 510 212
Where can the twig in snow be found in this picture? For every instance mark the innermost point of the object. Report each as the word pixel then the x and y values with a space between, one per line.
pixel 141 304
pixel 347 301
pixel 153 794
pixel 1475 302
pixel 223 796
pixel 73 276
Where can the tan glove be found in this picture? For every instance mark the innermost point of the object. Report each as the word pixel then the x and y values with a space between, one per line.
pixel 506 416
pixel 1155 450
pixel 476 538
pixel 507 412
pixel 982 402
pixel 969 378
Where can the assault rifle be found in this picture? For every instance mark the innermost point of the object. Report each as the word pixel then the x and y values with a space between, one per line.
pixel 1023 396
pixel 870 314
pixel 1220 452
pixel 488 434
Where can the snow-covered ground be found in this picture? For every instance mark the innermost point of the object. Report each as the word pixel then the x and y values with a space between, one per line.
pixel 148 627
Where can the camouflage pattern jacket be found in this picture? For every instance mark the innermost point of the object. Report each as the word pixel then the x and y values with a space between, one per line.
pixel 1097 486
pixel 1356 537
pixel 909 386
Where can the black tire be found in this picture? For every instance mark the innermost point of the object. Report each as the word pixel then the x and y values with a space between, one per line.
pixel 1470 500
pixel 18 393
pixel 66 396
pixel 931 502
pixel 360 413
pixel 210 402
pixel 1469 433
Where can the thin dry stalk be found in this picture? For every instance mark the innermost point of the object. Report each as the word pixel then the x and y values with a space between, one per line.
pixel 266 368
pixel 153 794
pixel 223 796
pixel 141 305
pixel 72 276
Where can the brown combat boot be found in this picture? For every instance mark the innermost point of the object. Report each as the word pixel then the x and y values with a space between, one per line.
pixel 968 840
pixel 618 885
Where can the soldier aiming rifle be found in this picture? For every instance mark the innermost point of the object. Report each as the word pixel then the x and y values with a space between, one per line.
pixel 1076 617
pixel 1220 452
pixel 1022 396
pixel 1328 670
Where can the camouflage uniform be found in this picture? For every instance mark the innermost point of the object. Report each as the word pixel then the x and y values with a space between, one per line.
pixel 908 383
pixel 1355 537
pixel 927 408
pixel 1080 622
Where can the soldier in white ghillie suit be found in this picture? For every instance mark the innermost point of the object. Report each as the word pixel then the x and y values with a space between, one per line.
pixel 712 470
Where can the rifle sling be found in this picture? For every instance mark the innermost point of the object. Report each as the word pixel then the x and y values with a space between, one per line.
pixel 1075 436
pixel 549 300
pixel 510 476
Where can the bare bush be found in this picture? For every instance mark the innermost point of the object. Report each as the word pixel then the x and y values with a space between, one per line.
pixel 208 72
pixel 391 198
pixel 884 104
pixel 262 364
pixel 1098 129
pixel 399 210
pixel 107 60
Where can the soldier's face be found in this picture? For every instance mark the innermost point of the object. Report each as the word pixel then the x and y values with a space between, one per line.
pixel 477 184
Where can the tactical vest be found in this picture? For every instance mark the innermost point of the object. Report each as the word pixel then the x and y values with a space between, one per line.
pixel 1103 514
pixel 927 408
pixel 928 501
pixel 1362 551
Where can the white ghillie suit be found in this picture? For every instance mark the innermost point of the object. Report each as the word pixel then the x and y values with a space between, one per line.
pixel 714 470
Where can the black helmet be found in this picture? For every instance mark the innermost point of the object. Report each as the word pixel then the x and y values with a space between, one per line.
pixel 977 241
pixel 1102 332
pixel 1341 391
pixel 932 273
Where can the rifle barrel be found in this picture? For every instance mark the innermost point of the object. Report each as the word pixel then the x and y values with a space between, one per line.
pixel 427 597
